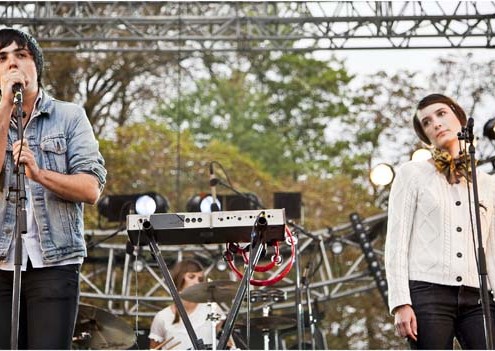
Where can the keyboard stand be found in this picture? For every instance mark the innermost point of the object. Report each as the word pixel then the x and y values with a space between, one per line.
pixel 197 343
pixel 257 238
pixel 259 235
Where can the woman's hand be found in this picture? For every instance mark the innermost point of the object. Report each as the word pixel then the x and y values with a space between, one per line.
pixel 405 322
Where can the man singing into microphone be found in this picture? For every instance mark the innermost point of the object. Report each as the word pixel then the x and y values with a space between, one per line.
pixel 64 169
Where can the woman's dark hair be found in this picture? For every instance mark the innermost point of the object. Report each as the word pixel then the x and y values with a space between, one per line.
pixel 181 268
pixel 178 272
pixel 433 99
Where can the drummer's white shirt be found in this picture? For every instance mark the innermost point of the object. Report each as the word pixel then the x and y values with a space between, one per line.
pixel 163 329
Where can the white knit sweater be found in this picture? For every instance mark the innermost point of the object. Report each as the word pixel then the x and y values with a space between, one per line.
pixel 429 236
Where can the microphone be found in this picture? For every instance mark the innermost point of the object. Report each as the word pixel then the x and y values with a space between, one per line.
pixel 17 89
pixel 469 129
pixel 213 189
pixel 470 124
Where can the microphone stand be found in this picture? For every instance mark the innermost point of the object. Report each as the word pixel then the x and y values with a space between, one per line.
pixel 468 135
pixel 305 282
pixel 311 317
pixel 20 226
pixel 299 306
pixel 213 186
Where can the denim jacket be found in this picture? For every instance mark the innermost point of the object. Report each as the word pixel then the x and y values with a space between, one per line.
pixel 62 140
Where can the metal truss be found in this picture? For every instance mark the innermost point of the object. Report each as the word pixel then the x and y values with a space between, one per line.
pixel 187 27
pixel 131 284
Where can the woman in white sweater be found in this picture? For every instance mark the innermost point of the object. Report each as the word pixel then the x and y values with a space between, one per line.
pixel 430 259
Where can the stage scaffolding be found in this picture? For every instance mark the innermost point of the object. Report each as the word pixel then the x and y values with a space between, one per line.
pixel 87 26
pixel 113 273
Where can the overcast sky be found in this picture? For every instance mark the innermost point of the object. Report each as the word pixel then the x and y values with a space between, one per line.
pixel 392 60
pixel 362 62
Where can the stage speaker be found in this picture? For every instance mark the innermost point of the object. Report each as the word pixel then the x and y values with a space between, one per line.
pixel 238 202
pixel 290 201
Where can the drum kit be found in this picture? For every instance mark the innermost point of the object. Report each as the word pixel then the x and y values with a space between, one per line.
pixel 99 329
pixel 224 291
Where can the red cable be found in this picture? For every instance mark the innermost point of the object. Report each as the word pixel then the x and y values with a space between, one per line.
pixel 257 282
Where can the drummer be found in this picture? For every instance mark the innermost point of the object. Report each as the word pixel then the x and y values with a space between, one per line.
pixel 168 329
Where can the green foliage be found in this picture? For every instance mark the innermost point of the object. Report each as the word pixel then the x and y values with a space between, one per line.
pixel 277 111
pixel 143 157
pixel 303 95
pixel 111 86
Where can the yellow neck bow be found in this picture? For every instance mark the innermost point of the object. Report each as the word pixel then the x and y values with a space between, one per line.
pixel 452 168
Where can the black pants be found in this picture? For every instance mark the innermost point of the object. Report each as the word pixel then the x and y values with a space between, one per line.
pixel 48 307
pixel 444 312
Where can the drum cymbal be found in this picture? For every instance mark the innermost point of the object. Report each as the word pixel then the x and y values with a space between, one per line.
pixel 269 323
pixel 99 329
pixel 214 291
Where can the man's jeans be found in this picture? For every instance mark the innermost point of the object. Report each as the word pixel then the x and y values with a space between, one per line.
pixel 48 307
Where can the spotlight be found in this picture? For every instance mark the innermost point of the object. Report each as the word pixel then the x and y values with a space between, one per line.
pixel 201 203
pixel 489 129
pixel 337 247
pixel 421 155
pixel 138 266
pixel 382 174
pixel 115 207
pixel 145 205
pixel 221 265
